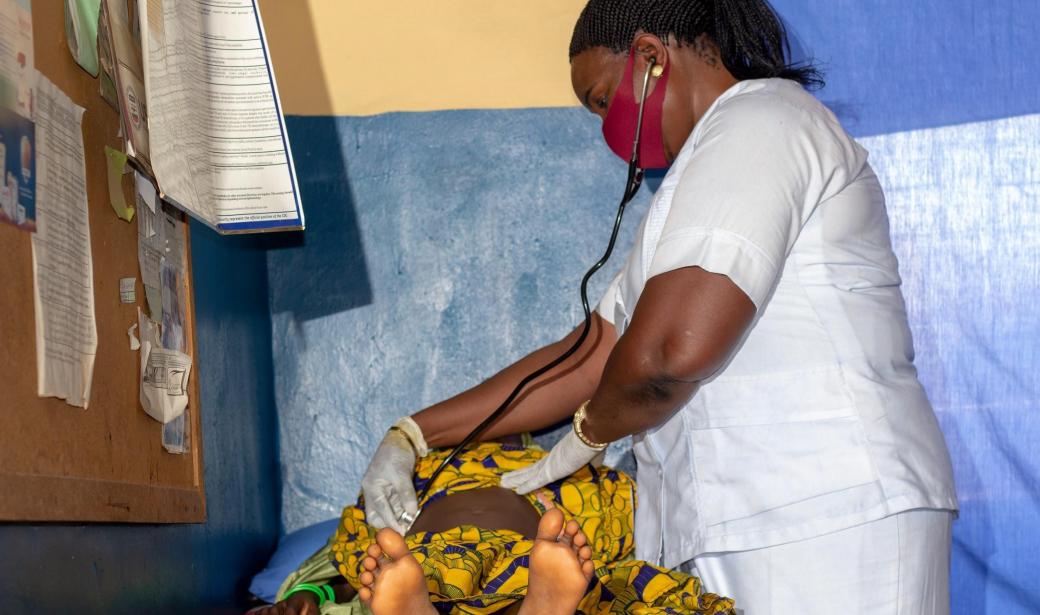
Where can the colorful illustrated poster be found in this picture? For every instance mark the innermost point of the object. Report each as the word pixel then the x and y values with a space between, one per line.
pixel 17 132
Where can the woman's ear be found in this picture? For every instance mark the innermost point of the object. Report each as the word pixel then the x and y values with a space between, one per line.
pixel 648 47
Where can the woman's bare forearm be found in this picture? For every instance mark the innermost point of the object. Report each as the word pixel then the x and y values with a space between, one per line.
pixel 546 401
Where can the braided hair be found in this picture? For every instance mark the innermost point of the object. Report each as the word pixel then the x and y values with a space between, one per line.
pixel 751 38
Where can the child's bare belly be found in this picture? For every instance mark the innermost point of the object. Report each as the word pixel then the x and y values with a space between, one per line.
pixel 493 508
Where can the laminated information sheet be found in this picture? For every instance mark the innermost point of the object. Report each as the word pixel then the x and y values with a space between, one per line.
pixel 218 142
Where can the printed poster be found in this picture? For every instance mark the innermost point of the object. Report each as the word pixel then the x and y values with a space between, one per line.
pixel 17 131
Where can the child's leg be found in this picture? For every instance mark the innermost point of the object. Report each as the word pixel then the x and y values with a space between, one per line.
pixel 393 581
pixel 560 569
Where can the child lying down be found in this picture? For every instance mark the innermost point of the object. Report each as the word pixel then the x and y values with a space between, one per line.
pixel 477 548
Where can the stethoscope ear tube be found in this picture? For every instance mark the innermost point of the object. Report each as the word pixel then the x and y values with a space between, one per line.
pixel 634 181
pixel 634 162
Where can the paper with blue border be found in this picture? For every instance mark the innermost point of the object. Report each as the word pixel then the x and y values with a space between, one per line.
pixel 219 145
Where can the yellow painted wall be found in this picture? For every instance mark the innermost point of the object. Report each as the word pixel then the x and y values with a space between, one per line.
pixel 354 57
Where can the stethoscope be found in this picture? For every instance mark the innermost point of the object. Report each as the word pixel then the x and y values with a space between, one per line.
pixel 635 180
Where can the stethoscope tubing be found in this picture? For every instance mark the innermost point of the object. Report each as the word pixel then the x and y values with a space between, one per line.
pixel 634 181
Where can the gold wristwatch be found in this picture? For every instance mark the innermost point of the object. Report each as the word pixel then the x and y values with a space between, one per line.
pixel 579 418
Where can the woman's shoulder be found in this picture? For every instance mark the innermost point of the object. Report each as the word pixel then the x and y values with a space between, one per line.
pixel 771 100
pixel 776 121
pixel 780 110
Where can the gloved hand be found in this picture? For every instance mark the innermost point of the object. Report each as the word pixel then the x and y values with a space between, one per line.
pixel 568 456
pixel 387 484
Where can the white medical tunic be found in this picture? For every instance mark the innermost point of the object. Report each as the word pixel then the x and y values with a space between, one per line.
pixel 817 423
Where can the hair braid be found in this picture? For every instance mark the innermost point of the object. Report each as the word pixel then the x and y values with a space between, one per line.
pixel 751 38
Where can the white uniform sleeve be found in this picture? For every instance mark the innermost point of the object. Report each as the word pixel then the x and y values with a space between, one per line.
pixel 760 168
pixel 606 303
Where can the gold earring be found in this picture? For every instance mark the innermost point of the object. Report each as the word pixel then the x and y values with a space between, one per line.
pixel 657 70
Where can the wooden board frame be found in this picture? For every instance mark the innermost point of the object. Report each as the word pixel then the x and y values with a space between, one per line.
pixel 105 463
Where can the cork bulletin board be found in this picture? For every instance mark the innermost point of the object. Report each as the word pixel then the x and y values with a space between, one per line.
pixel 105 463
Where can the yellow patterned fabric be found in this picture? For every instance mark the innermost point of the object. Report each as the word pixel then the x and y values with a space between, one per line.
pixel 475 571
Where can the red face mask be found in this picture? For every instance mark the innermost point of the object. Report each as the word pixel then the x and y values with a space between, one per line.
pixel 619 128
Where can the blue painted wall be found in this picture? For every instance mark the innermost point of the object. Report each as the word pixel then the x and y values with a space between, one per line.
pixel 440 247
pixel 205 568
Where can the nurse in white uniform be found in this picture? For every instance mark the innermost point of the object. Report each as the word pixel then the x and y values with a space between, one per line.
pixel 755 343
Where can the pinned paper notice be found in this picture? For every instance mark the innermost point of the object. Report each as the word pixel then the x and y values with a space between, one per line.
pixel 135 344
pixel 150 256
pixel 81 30
pixel 164 386
pixel 146 191
pixel 116 166
pixel 149 332
pixel 63 270
pixel 127 290
pixel 164 375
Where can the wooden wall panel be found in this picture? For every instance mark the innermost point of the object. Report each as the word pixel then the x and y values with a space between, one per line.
pixel 104 463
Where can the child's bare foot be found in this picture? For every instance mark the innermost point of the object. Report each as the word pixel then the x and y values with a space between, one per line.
pixel 393 582
pixel 560 569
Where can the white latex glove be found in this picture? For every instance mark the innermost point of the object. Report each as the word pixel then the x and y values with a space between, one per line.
pixel 387 484
pixel 568 456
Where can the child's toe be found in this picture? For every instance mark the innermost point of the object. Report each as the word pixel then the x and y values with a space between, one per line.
pixel 580 540
pixel 392 543
pixel 551 525
pixel 572 529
